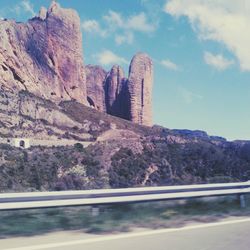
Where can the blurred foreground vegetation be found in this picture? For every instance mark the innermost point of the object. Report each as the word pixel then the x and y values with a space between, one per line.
pixel 120 218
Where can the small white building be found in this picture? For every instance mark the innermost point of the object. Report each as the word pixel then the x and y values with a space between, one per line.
pixel 28 142
pixel 16 142
pixel 21 142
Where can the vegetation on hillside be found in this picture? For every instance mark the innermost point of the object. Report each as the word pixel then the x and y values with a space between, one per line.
pixel 56 168
pixel 161 163
pixel 181 164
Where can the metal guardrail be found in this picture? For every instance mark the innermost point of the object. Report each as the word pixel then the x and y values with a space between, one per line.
pixel 13 201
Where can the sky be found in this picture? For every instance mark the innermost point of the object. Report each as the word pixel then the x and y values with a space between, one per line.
pixel 200 50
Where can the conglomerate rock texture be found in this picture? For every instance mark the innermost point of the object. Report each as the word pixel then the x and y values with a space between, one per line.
pixel 140 89
pixel 95 80
pixel 44 55
pixel 25 115
pixel 117 93
pixel 128 98
pixel 113 86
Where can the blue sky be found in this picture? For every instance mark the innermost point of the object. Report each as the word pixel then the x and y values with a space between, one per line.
pixel 200 50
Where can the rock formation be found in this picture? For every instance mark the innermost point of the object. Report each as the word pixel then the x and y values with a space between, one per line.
pixel 113 86
pixel 25 115
pixel 95 80
pixel 130 98
pixel 116 93
pixel 140 89
pixel 44 55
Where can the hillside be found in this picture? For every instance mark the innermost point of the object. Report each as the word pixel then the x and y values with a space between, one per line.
pixel 122 153
pixel 122 163
pixel 25 115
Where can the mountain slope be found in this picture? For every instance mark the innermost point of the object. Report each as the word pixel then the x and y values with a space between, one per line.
pixel 122 154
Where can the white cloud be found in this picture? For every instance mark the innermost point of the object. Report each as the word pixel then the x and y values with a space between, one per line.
pixel 28 7
pixel 169 64
pixel 107 57
pixel 153 10
pixel 16 9
pixel 137 22
pixel 189 96
pixel 217 61
pixel 121 28
pixel 23 7
pixel 114 19
pixel 92 26
pixel 224 21
pixel 127 37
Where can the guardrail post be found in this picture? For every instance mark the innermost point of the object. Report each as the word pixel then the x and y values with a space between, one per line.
pixel 242 201
pixel 95 211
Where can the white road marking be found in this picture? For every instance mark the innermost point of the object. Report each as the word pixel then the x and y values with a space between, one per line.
pixel 127 235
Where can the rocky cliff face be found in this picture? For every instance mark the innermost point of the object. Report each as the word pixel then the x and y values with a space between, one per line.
pixel 129 98
pixel 117 93
pixel 113 86
pixel 25 115
pixel 140 89
pixel 44 55
pixel 95 76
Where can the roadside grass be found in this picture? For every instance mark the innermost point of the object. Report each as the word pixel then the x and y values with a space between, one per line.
pixel 120 218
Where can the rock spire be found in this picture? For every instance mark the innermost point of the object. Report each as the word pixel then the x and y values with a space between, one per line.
pixel 140 83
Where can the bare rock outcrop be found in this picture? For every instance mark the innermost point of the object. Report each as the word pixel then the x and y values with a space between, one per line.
pixel 112 92
pixel 140 83
pixel 95 81
pixel 25 115
pixel 116 93
pixel 44 55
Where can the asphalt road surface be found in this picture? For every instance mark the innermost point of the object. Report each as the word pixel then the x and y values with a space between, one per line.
pixel 227 235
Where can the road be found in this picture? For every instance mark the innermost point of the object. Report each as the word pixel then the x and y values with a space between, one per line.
pixel 227 235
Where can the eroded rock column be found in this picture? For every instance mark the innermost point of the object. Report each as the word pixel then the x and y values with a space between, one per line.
pixel 140 84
